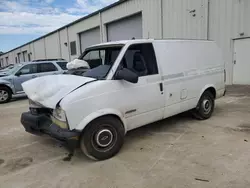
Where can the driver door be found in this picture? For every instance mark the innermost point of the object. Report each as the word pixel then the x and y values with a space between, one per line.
pixel 143 101
pixel 26 73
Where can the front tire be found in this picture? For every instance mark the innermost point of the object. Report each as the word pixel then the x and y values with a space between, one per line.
pixel 5 95
pixel 102 138
pixel 205 107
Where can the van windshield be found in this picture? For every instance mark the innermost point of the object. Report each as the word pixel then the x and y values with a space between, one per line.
pixel 100 60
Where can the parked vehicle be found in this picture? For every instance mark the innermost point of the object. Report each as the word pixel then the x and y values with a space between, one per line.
pixel 56 59
pixel 8 66
pixel 10 82
pixel 4 70
pixel 129 84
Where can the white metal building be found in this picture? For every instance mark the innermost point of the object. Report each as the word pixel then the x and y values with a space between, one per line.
pixel 225 21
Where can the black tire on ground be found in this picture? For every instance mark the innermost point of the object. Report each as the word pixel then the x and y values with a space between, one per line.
pixel 205 107
pixel 102 138
pixel 5 94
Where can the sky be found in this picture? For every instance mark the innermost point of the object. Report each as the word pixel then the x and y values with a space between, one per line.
pixel 24 20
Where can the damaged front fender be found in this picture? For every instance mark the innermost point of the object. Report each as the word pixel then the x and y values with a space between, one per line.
pixel 100 113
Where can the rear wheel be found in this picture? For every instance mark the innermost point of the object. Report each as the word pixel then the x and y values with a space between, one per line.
pixel 102 138
pixel 205 107
pixel 5 95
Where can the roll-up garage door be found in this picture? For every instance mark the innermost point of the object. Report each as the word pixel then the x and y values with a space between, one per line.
pixel 25 56
pixel 89 38
pixel 125 29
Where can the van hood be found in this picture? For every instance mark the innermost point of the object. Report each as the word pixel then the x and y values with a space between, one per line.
pixel 49 90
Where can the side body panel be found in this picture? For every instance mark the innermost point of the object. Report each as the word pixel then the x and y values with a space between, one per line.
pixel 8 81
pixel 135 104
pixel 18 80
pixel 188 69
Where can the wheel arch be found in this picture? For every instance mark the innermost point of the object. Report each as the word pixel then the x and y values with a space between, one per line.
pixel 101 113
pixel 6 86
pixel 210 88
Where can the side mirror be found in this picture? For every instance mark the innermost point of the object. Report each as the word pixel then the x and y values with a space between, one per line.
pixel 126 74
pixel 18 73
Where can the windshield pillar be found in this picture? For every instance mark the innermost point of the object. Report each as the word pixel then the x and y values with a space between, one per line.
pixel 117 62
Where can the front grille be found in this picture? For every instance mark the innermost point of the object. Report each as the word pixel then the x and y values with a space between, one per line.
pixel 37 111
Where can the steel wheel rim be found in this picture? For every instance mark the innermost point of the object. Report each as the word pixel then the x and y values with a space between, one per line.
pixel 207 106
pixel 100 134
pixel 3 95
pixel 104 138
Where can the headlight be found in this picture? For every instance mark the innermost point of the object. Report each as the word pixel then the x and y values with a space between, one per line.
pixel 59 114
pixel 59 118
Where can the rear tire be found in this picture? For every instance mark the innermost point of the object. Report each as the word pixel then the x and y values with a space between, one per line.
pixel 102 138
pixel 205 107
pixel 5 95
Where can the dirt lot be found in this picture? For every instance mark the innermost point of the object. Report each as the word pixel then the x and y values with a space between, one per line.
pixel 177 152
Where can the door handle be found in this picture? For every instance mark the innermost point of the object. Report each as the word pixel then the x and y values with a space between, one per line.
pixel 34 76
pixel 161 87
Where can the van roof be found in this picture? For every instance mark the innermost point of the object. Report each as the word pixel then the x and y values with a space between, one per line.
pixel 123 42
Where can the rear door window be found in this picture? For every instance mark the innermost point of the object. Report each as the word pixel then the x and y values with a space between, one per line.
pixel 47 67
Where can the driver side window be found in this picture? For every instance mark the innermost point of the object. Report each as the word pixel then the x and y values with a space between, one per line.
pixel 28 69
pixel 140 58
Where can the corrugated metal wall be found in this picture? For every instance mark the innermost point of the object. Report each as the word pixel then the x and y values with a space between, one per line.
pixel 64 44
pixel 52 46
pixel 185 19
pixel 228 20
pixel 39 49
pixel 219 20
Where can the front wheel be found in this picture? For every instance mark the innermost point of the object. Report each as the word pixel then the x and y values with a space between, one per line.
pixel 102 138
pixel 5 95
pixel 205 107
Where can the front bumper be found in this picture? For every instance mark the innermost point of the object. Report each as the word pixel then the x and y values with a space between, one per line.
pixel 42 124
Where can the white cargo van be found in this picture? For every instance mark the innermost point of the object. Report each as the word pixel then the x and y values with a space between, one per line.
pixel 128 84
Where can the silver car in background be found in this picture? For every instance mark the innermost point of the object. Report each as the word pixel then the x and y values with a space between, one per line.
pixel 10 82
